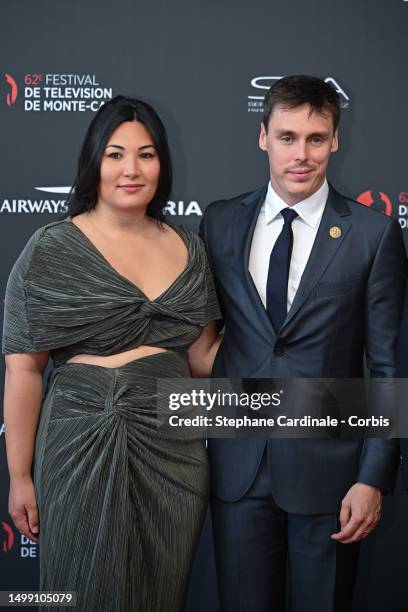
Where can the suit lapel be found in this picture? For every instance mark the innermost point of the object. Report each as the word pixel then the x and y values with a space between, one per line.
pixel 245 222
pixel 324 249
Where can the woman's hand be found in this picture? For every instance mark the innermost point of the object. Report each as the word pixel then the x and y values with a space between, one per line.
pixel 22 402
pixel 23 507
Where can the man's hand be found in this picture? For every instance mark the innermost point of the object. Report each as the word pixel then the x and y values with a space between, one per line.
pixel 360 513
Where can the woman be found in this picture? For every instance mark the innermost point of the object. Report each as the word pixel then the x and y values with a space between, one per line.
pixel 117 298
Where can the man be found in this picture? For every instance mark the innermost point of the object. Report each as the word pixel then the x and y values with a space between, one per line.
pixel 308 281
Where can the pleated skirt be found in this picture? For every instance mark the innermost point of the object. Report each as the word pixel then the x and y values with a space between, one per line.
pixel 121 505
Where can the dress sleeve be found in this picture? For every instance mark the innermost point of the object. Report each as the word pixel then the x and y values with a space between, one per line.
pixel 212 308
pixel 16 324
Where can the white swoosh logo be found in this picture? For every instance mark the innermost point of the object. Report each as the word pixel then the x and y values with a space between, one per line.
pixel 54 189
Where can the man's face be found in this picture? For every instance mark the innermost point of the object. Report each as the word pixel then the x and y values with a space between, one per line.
pixel 299 144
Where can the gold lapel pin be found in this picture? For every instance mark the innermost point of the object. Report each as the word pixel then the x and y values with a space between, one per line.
pixel 335 232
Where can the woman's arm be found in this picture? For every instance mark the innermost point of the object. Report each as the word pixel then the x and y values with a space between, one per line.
pixel 23 392
pixel 202 352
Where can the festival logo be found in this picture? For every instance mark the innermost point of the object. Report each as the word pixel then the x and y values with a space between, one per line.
pixel 376 200
pixel 395 205
pixel 261 84
pixel 58 92
pixel 12 90
pixel 7 537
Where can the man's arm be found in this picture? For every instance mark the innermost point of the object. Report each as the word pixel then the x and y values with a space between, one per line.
pixel 384 308
pixel 361 507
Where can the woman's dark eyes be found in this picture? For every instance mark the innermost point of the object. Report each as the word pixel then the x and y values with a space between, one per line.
pixel 117 155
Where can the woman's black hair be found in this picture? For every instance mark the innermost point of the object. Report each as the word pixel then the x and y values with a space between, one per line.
pixel 84 193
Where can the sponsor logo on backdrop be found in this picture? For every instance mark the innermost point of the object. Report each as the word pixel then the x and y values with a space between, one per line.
pixel 396 206
pixel 55 92
pixel 59 206
pixel 183 209
pixel 10 539
pixel 33 206
pixel 261 84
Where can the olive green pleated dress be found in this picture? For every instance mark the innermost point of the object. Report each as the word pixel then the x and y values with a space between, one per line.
pixel 121 506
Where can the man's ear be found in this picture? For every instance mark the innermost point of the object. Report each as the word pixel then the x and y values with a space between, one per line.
pixel 335 142
pixel 262 137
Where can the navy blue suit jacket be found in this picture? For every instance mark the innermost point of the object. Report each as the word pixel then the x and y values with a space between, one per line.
pixel 349 303
pixel 402 372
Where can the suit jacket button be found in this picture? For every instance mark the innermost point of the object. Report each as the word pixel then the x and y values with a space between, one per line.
pixel 278 350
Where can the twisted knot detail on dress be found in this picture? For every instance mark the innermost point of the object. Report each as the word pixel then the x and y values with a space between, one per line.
pixel 278 271
pixel 75 302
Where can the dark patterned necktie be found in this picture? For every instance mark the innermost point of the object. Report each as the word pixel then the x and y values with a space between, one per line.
pixel 278 272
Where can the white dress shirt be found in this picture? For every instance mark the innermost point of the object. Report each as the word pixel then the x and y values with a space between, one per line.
pixel 269 226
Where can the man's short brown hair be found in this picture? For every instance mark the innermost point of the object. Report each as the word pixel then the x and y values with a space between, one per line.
pixel 297 90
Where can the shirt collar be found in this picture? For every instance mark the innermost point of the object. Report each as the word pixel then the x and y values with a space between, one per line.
pixel 310 209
